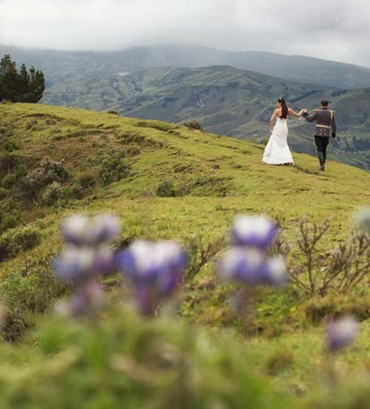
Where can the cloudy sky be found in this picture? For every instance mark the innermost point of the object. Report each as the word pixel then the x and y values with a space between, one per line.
pixel 331 29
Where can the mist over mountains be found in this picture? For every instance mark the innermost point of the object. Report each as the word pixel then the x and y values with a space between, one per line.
pixel 63 64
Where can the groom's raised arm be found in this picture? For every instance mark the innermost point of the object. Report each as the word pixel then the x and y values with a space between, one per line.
pixel 310 118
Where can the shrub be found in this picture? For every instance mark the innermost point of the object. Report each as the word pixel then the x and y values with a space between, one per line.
pixel 319 309
pixel 8 162
pixel 160 126
pixel 28 291
pixel 48 172
pixel 19 239
pixel 166 189
pixel 31 125
pixel 52 194
pixel 194 125
pixel 201 251
pixel 113 168
pixel 112 112
pixel 340 269
pixel 9 181
pixel 11 146
pixel 86 180
pixel 3 193
pixel 9 221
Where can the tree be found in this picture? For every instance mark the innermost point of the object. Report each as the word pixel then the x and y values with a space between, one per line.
pixel 22 86
pixel 9 79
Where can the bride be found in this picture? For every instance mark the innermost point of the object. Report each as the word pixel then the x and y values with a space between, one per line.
pixel 277 151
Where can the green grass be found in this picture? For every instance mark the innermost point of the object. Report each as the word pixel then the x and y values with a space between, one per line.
pixel 214 178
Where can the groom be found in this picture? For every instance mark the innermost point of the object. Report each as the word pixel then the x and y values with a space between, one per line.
pixel 325 125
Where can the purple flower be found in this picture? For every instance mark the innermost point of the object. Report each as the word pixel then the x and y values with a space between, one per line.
pixel 80 264
pixel 253 231
pixel 81 230
pixel 88 299
pixel 155 264
pixel 341 333
pixel 251 266
pixel 277 273
pixel 248 266
pixel 155 270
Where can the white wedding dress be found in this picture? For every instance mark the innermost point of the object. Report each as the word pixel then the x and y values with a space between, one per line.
pixel 277 151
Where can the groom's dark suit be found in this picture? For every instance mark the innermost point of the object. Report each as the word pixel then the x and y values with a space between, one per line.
pixel 325 127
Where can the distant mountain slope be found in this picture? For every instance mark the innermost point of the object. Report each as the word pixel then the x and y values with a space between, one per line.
pixel 71 66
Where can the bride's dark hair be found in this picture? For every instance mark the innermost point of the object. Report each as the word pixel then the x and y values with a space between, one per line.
pixel 284 108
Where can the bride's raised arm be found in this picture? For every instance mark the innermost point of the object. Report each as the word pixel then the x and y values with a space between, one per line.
pixel 296 114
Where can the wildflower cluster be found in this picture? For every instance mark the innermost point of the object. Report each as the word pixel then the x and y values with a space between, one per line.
pixel 87 256
pixel 247 262
pixel 155 270
pixel 340 334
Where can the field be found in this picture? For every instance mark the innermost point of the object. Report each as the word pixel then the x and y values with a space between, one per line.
pixel 166 181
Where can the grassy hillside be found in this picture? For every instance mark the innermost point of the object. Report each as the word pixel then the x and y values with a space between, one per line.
pixel 198 164
pixel 103 162
pixel 165 181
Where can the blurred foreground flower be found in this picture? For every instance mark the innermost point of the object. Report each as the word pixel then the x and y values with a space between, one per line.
pixel 80 230
pixel 252 267
pixel 341 333
pixel 248 262
pixel 155 269
pixel 87 256
pixel 253 231
pixel 362 217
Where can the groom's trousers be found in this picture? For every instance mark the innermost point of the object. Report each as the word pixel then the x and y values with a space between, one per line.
pixel 321 143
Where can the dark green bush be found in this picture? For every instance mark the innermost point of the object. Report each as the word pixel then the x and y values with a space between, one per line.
pixel 194 125
pixel 28 291
pixel 53 193
pixel 11 146
pixel 87 180
pixel 166 189
pixel 3 193
pixel 113 168
pixel 9 221
pixel 8 162
pixel 160 126
pixel 48 172
pixel 9 181
pixel 112 112
pixel 18 239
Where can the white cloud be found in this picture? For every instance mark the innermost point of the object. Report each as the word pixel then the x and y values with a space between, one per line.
pixel 334 29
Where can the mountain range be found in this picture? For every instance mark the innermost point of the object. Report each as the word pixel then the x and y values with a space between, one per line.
pixel 61 65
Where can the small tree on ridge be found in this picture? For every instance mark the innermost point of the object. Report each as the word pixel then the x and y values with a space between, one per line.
pixel 22 86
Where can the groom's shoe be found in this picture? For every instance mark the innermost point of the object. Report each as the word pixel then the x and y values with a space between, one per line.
pixel 322 168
